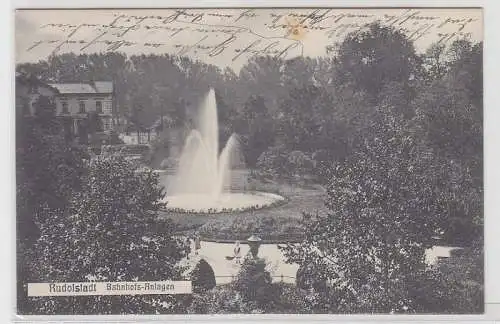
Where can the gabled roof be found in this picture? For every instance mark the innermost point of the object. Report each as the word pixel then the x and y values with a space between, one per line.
pixel 84 88
pixel 73 87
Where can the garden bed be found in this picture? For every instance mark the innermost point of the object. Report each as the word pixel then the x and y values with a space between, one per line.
pixel 274 200
pixel 277 224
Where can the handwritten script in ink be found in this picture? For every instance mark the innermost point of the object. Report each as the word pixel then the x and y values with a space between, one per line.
pixel 237 34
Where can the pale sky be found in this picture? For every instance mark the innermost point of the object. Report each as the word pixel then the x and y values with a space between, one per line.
pixel 225 37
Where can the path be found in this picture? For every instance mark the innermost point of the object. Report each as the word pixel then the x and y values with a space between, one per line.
pixel 224 270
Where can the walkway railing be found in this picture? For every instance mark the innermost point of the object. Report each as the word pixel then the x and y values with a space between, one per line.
pixel 280 277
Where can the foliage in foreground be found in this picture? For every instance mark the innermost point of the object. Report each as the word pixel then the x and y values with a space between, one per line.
pixel 109 233
pixel 252 291
pixel 453 286
pixel 389 197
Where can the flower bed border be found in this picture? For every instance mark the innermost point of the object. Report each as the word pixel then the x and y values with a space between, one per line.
pixel 277 203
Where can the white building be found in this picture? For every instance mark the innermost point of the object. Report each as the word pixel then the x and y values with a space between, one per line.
pixel 76 100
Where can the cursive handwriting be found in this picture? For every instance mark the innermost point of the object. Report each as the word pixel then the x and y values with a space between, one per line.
pixel 241 33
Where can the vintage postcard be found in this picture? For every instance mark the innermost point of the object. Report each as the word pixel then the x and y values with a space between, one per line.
pixel 249 161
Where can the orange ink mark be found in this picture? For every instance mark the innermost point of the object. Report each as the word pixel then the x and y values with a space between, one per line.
pixel 295 29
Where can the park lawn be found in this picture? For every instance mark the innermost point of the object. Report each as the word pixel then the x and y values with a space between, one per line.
pixel 271 224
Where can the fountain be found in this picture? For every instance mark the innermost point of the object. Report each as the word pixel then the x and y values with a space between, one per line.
pixel 202 182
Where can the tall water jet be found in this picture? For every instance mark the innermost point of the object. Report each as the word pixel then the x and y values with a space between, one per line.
pixel 201 169
pixel 202 180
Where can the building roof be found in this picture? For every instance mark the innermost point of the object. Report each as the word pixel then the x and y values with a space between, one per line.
pixel 103 86
pixel 84 88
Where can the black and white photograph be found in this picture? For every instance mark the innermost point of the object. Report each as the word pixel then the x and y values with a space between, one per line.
pixel 249 161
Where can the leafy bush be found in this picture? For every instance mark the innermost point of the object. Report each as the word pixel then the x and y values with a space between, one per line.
pixel 220 300
pixel 279 163
pixel 290 300
pixel 322 161
pixel 272 163
pixel 110 232
pixel 254 283
pixel 252 292
pixel 202 277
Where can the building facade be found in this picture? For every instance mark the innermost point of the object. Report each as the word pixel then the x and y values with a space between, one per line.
pixel 77 100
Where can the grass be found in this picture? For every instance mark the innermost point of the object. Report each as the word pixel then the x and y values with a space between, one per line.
pixel 279 223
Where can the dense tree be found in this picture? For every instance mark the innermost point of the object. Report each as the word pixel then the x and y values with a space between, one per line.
pixel 45 116
pixel 371 58
pixel 449 113
pixel 301 119
pixel 435 61
pixel 48 167
pixel 263 76
pixel 300 72
pixel 110 232
pixel 382 206
pixel 255 127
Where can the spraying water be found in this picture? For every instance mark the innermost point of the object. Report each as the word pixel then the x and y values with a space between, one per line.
pixel 203 179
pixel 201 169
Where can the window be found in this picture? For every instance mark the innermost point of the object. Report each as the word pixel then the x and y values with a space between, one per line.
pixel 82 107
pixel 64 107
pixel 98 107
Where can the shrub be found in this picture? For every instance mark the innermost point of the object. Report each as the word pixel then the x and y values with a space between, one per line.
pixel 203 277
pixel 272 163
pixel 254 283
pixel 220 300
pixel 290 299
pixel 279 163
